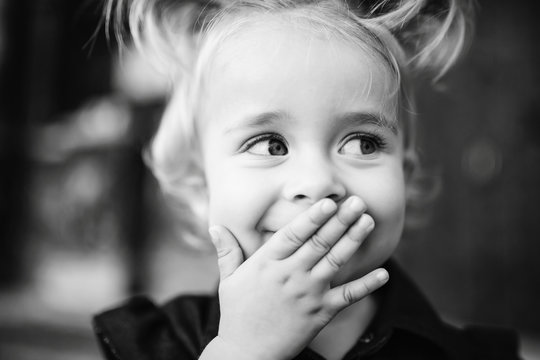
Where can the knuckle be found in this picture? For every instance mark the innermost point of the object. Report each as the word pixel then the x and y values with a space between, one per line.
pixel 292 237
pixel 348 295
pixel 315 310
pixel 229 255
pixel 319 243
pixel 224 252
pixel 366 287
pixel 334 262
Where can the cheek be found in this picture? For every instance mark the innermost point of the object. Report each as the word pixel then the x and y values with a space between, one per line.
pixel 384 194
pixel 385 199
pixel 228 194
pixel 237 198
pixel 236 193
pixel 389 213
pixel 238 202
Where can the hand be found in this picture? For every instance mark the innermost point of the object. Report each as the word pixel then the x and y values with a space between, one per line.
pixel 275 303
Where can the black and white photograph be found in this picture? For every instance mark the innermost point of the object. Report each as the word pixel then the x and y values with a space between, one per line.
pixel 269 180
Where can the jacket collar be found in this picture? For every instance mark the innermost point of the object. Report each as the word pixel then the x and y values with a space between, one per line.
pixel 403 307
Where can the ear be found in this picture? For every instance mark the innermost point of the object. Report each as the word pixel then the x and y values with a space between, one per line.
pixel 410 164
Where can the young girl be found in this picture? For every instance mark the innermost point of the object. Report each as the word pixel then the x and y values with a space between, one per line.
pixel 290 131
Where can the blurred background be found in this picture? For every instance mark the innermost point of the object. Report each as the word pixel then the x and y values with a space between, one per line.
pixel 83 224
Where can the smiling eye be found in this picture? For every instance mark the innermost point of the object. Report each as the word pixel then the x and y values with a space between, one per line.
pixel 361 144
pixel 267 146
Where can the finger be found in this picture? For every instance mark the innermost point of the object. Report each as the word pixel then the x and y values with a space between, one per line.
pixel 288 239
pixel 342 296
pixel 229 253
pixel 330 233
pixel 344 249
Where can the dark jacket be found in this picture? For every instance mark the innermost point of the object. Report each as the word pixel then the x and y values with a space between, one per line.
pixel 406 327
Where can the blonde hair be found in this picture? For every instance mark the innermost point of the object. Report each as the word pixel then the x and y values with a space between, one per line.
pixel 410 37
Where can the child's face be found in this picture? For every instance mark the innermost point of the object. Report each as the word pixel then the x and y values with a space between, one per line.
pixel 290 118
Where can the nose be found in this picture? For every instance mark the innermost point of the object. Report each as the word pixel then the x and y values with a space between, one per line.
pixel 312 180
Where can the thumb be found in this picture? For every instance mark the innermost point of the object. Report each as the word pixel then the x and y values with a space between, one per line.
pixel 228 250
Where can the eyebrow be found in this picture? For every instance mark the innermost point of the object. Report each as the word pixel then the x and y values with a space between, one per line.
pixel 259 120
pixel 370 118
pixel 351 118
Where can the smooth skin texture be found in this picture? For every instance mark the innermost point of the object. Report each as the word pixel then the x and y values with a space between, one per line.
pixel 302 156
pixel 293 290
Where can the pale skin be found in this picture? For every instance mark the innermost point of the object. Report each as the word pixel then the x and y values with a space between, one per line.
pixel 296 268
pixel 301 159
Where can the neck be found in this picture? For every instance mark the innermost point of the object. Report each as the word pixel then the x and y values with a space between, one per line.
pixel 339 336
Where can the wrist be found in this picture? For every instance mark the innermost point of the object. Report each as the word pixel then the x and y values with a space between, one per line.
pixel 220 349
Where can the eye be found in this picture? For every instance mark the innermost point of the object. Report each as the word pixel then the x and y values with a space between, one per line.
pixel 266 145
pixel 361 144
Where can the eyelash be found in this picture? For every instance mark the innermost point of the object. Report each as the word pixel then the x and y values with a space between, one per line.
pixel 378 140
pixel 254 140
pixel 375 138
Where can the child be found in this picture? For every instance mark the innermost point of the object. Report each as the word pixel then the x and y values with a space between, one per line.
pixel 293 123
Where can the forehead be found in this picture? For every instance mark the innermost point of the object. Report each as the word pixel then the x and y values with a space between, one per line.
pixel 274 58
pixel 269 33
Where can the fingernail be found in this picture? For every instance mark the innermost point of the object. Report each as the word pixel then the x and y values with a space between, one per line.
pixel 355 204
pixel 382 275
pixel 214 236
pixel 367 222
pixel 328 206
